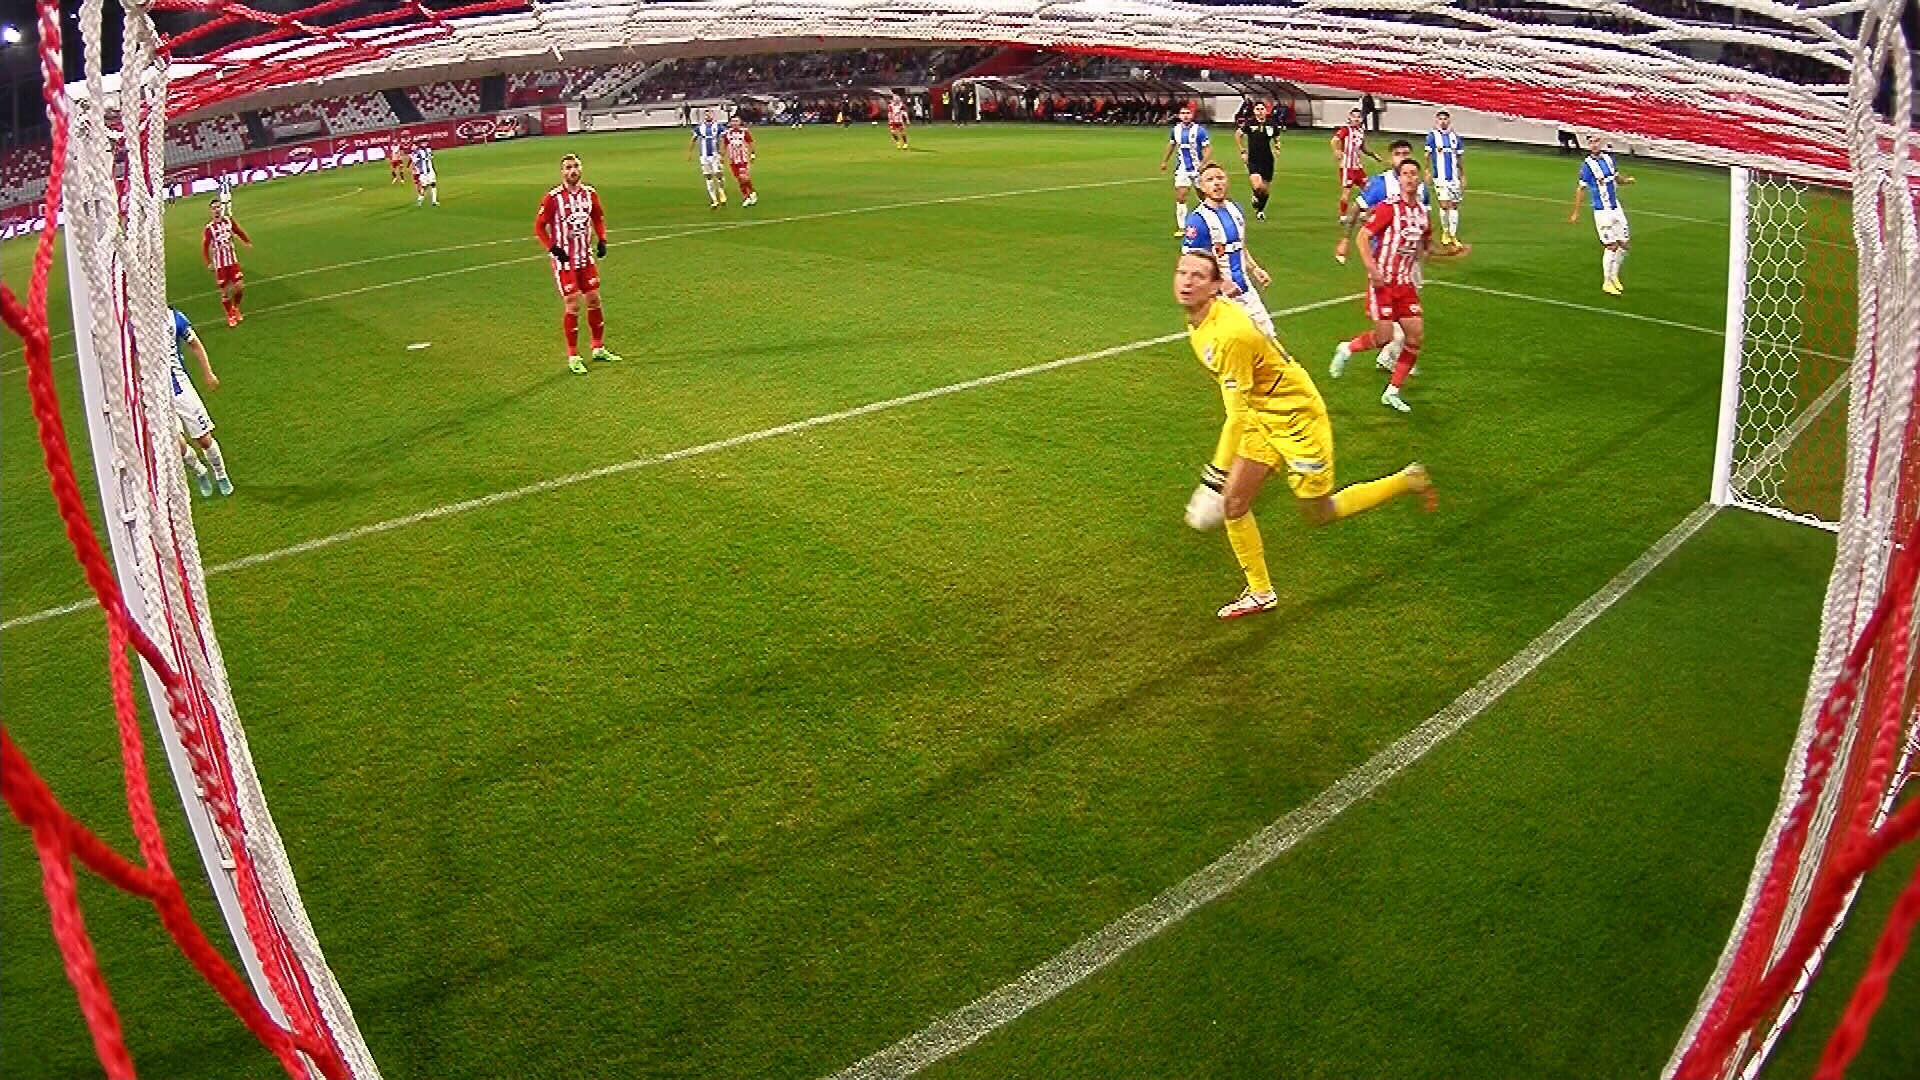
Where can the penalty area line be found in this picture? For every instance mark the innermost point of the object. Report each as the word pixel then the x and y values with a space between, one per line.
pixel 968 1024
pixel 569 480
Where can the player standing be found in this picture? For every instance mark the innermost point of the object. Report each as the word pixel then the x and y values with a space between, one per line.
pixel 1382 188
pixel 1276 419
pixel 1349 147
pixel 196 427
pixel 706 140
pixel 1256 139
pixel 397 165
pixel 1190 143
pixel 216 250
pixel 737 145
pixel 1398 236
pixel 425 184
pixel 1218 228
pixel 573 229
pixel 897 122
pixel 1599 180
pixel 1449 175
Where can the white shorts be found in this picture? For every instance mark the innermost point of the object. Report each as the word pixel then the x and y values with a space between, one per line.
pixel 424 179
pixel 1256 308
pixel 1446 191
pixel 710 164
pixel 1181 177
pixel 193 415
pixel 1611 225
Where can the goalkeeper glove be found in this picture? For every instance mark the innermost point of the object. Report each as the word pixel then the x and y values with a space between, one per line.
pixel 560 253
pixel 600 250
pixel 1207 507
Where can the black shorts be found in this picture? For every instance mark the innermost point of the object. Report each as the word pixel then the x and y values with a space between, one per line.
pixel 1260 166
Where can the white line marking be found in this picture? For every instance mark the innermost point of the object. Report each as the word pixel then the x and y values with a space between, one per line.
pixel 660 232
pixel 419 345
pixel 1634 315
pixel 964 1026
pixel 650 460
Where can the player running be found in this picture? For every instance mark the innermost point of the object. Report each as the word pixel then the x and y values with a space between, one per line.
pixel 1398 236
pixel 1218 228
pixel 1256 139
pixel 196 427
pixel 897 122
pixel 1600 181
pixel 1275 420
pixel 216 250
pixel 1349 147
pixel 706 141
pixel 573 229
pixel 1449 175
pixel 736 144
pixel 1190 143
pixel 1381 188
pixel 425 184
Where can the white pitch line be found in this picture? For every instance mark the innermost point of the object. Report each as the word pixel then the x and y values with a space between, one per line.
pixel 483 501
pixel 669 232
pixel 967 1025
pixel 1722 222
pixel 1634 315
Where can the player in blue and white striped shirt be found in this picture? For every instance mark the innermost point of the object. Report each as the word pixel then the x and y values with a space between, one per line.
pixel 425 184
pixel 1218 228
pixel 1189 140
pixel 706 140
pixel 1600 184
pixel 1449 175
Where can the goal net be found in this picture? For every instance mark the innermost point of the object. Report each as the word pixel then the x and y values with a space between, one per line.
pixel 1819 422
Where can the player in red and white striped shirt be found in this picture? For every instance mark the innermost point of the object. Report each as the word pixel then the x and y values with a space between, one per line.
pixel 1395 240
pixel 398 165
pixel 1349 146
pixel 897 122
pixel 737 147
pixel 216 250
pixel 573 229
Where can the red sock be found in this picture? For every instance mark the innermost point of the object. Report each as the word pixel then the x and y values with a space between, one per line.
pixel 1363 343
pixel 226 303
pixel 236 299
pixel 595 324
pixel 570 324
pixel 1343 206
pixel 746 189
pixel 1409 356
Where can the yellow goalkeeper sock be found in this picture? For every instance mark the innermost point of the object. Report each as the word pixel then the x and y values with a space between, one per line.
pixel 1360 498
pixel 1244 534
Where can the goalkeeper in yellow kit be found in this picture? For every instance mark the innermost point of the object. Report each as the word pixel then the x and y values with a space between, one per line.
pixel 1275 420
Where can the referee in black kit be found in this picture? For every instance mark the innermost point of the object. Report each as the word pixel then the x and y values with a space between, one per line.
pixel 1256 149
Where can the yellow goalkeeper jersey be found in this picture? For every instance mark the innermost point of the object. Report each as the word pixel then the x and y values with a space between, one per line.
pixel 1274 412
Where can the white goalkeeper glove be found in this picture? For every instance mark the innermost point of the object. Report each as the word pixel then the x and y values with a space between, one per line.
pixel 1207 507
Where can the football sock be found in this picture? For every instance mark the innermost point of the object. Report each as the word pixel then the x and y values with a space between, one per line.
pixel 192 459
pixel 1180 215
pixel 746 189
pixel 1453 222
pixel 1619 260
pixel 1244 534
pixel 1360 498
pixel 1343 207
pixel 1363 343
pixel 435 192
pixel 1260 200
pixel 238 292
pixel 1409 356
pixel 595 324
pixel 1606 264
pixel 215 459
pixel 570 325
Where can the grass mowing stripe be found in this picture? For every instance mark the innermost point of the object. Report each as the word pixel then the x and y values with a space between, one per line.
pixel 968 1024
pixel 692 230
pixel 615 469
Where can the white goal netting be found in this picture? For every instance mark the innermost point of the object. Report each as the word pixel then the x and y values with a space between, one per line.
pixel 1822 392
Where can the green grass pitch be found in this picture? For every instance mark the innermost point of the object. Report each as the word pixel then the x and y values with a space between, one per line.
pixel 753 761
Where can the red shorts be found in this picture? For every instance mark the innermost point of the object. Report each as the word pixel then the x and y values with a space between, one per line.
pixel 574 280
pixel 1353 177
pixel 896 128
pixel 740 169
pixel 1390 303
pixel 227 275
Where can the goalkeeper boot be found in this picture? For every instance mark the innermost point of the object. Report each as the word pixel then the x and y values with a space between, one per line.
pixel 1341 354
pixel 203 480
pixel 605 355
pixel 1391 399
pixel 576 365
pixel 225 485
pixel 1422 485
pixel 1250 603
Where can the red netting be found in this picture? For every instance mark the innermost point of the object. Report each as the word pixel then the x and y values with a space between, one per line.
pixel 58 837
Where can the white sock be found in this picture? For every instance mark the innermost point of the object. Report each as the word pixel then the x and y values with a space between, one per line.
pixel 1619 260
pixel 214 459
pixel 1180 215
pixel 1453 221
pixel 436 196
pixel 1606 265
pixel 193 460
